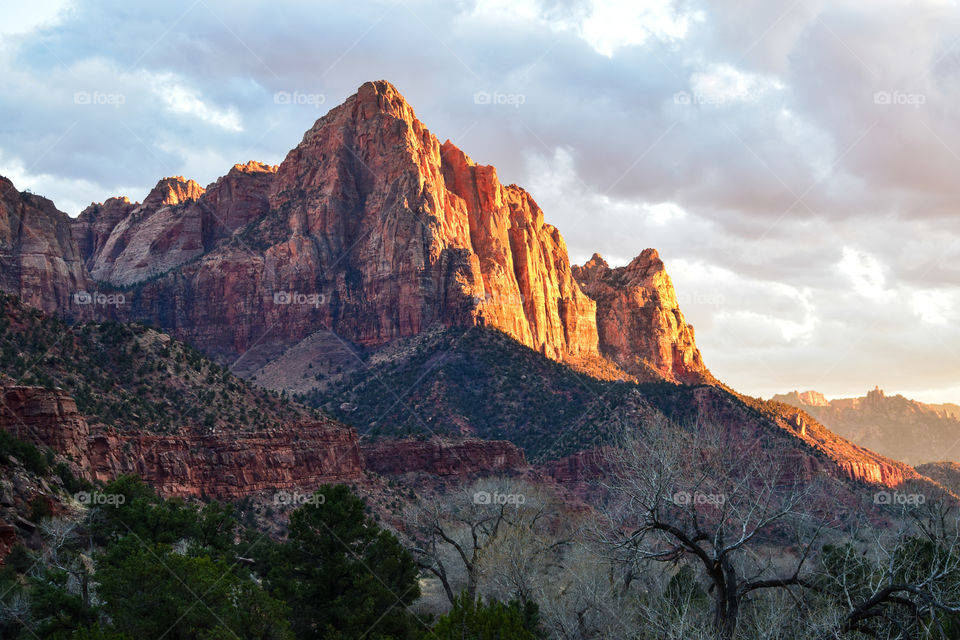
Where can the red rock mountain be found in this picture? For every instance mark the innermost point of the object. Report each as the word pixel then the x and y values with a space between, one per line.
pixel 373 229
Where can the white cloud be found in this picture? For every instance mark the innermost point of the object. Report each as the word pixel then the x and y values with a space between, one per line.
pixel 932 307
pixel 724 83
pixel 184 100
pixel 69 195
pixel 865 273
pixel 613 24
pixel 23 17
pixel 664 212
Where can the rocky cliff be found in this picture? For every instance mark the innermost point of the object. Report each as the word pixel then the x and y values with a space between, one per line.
pixel 228 466
pixel 639 322
pixel 221 465
pixel 48 418
pixel 39 259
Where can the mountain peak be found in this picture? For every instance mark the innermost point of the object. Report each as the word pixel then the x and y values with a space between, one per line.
pixel 402 232
pixel 382 97
pixel 173 190
pixel 639 320
pixel 877 391
pixel 252 166
pixel 596 261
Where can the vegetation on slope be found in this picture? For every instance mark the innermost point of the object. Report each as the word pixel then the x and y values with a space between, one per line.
pixel 483 383
pixel 131 376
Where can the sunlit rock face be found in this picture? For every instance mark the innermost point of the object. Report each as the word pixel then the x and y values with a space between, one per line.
pixel 639 322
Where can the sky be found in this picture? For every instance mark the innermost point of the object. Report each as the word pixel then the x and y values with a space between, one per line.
pixel 795 163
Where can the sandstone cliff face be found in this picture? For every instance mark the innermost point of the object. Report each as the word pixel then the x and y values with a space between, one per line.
pixel 803 398
pixel 528 288
pixel 47 418
pixel 123 243
pixel 639 322
pixel 39 260
pixel 223 465
pixel 235 200
pixel 383 232
pixel 228 466
pixel 442 456
pixel 92 228
pixel 152 238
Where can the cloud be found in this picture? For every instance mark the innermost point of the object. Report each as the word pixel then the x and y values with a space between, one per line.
pixel 184 100
pixel 865 273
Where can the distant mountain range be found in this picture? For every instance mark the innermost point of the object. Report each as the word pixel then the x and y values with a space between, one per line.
pixel 895 426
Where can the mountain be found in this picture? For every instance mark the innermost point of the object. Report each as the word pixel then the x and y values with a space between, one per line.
pixel 128 376
pixel 373 230
pixel 114 398
pixel 480 382
pixel 895 426
pixel 639 321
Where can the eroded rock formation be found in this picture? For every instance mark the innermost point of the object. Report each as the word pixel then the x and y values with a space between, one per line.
pixel 124 243
pixel 226 466
pixel 639 322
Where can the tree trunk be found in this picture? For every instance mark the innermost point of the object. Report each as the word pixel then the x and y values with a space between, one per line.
pixel 726 604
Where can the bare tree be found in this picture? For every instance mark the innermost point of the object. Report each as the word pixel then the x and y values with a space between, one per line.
pixel 61 537
pixel 900 583
pixel 722 496
pixel 497 532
